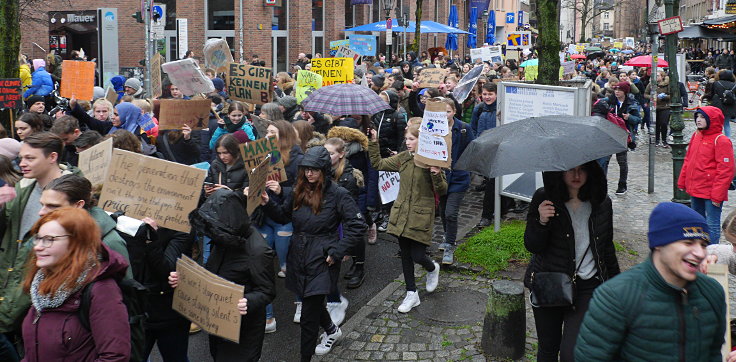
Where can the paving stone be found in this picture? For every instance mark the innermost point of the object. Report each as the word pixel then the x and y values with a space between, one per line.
pixel 357 346
pixel 416 347
pixel 372 346
pixel 364 355
pixel 409 356
pixel 386 347
pixel 377 356
pixel 402 347
pixel 425 355
pixel 392 338
pixel 392 355
pixel 378 338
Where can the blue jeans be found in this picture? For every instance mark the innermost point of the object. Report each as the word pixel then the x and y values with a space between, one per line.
pixel 712 216
pixel 727 127
pixel 7 349
pixel 278 237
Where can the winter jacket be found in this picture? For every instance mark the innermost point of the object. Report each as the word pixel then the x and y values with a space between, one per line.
pixel 392 126
pixel 14 250
pixel 239 254
pixel 716 97
pixel 110 236
pixel 662 87
pixel 356 145
pixel 638 316
pixel 352 180
pixel 723 61
pixel 629 106
pixel 412 215
pixel 103 127
pixel 184 151
pixel 41 85
pixel 708 167
pixel 484 118
pixel 236 178
pixel 245 127
pixel 25 77
pixel 58 335
pixel 553 245
pixel 295 159
pixel 316 236
pixel 462 135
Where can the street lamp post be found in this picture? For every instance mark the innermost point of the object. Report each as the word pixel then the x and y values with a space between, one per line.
pixel 387 6
pixel 485 27
pixel 671 8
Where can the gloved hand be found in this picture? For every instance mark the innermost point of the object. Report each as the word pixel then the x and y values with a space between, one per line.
pixel 661 95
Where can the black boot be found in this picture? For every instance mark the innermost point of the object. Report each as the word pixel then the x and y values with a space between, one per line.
pixel 351 272
pixel 621 188
pixel 358 276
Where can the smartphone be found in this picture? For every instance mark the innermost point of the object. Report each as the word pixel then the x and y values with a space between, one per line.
pixel 368 132
pixel 209 184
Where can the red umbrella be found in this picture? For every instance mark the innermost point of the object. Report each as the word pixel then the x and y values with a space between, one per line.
pixel 578 56
pixel 646 61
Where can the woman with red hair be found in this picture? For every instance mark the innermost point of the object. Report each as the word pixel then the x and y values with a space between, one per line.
pixel 68 254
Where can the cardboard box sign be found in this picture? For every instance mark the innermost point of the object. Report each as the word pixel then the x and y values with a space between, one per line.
pixel 156 87
pixel 257 183
pixel 254 152
pixel 175 113
pixel 78 79
pixel 94 162
pixel 431 77
pixel 435 138
pixel 306 83
pixel 249 83
pixel 11 96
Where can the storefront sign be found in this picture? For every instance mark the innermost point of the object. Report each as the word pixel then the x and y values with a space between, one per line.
pixel 334 70
pixel 517 40
pixel 249 83
pixel 10 94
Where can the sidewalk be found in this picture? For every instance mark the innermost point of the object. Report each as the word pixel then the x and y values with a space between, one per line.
pixel 448 323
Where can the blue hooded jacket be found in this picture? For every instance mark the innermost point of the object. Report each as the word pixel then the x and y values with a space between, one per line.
pixel 484 118
pixel 41 83
pixel 118 83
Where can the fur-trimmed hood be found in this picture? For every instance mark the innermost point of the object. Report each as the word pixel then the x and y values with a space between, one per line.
pixel 318 139
pixel 349 135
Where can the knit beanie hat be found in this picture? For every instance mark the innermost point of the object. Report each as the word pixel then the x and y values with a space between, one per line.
pixel 219 84
pixel 287 102
pixel 378 80
pixel 670 222
pixel 241 136
pixel 34 99
pixel 98 93
pixel 133 83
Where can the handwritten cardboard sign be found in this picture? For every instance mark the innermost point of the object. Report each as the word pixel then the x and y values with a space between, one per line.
pixel 334 70
pixel 156 87
pixel 249 83
pixel 432 148
pixel 78 79
pixel 186 75
pixel 10 94
pixel 431 77
pixel 306 83
pixel 208 300
pixel 144 186
pixel 217 54
pixel 257 183
pixel 174 113
pixel 111 95
pixel 254 152
pixel 435 123
pixel 95 161
pixel 388 183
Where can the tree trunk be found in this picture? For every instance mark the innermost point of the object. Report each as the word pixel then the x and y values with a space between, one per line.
pixel 9 47
pixel 583 25
pixel 417 32
pixel 548 43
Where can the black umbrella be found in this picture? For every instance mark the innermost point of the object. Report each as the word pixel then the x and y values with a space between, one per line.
pixel 551 143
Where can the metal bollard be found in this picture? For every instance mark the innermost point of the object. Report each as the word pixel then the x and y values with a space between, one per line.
pixel 504 326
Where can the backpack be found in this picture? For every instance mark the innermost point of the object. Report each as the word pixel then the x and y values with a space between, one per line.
pixel 728 97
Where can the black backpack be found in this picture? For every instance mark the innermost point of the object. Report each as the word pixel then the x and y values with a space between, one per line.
pixel 728 97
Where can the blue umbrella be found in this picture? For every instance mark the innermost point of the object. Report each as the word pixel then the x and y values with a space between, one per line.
pixel 426 27
pixel 472 27
pixel 627 51
pixel 451 43
pixel 491 31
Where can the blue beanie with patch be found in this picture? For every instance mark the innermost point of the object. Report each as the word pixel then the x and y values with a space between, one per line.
pixel 670 222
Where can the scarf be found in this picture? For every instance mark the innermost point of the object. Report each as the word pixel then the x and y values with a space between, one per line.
pixel 233 127
pixel 55 300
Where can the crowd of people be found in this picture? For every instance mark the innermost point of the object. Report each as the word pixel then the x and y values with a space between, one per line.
pixel 61 253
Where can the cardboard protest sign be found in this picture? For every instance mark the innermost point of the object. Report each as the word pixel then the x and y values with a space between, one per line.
pixel 111 95
pixel 433 148
pixel 346 52
pixel 568 67
pixel 156 87
pixel 257 183
pixel 581 48
pixel 465 86
pixel 389 186
pixel 719 272
pixel 334 70
pixel 208 300
pixel 174 113
pixel 255 151
pixel 217 54
pixel 95 161
pixel 186 75
pixel 249 83
pixel 431 77
pixel 78 79
pixel 11 95
pixel 306 83
pixel 143 186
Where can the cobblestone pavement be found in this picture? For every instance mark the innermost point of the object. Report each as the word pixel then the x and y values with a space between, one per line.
pixel 379 332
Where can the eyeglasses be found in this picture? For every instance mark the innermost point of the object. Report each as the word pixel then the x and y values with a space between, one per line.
pixel 46 241
pixel 311 170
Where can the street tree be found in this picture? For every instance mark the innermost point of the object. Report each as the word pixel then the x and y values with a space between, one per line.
pixel 548 42
pixel 10 41
pixel 417 32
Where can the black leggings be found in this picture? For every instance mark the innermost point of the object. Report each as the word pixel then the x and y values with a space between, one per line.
pixel 314 315
pixel 413 252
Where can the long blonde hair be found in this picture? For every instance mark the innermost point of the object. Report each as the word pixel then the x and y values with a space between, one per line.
pixel 339 145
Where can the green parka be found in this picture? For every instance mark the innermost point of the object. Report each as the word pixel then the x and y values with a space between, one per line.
pixel 412 215
pixel 638 316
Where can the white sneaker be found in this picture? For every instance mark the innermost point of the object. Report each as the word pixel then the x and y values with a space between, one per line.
pixel 433 278
pixel 298 313
pixel 337 310
pixel 327 341
pixel 410 301
pixel 271 327
pixel 282 273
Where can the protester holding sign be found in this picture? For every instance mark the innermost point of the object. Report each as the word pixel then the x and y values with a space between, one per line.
pixel 412 216
pixel 317 207
pixel 236 119
pixel 227 171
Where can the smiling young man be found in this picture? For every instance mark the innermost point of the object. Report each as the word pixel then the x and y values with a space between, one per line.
pixel 662 309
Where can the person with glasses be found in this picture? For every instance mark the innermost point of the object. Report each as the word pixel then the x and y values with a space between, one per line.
pixel 317 206
pixel 68 255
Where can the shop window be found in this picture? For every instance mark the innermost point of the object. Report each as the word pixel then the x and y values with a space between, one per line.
pixel 349 14
pixel 221 15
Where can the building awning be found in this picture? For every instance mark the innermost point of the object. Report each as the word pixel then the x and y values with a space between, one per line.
pixel 721 20
pixel 699 32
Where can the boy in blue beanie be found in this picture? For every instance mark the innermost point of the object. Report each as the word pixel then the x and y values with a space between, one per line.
pixel 662 309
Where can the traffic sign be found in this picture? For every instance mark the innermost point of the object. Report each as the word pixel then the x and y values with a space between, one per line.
pixel 510 18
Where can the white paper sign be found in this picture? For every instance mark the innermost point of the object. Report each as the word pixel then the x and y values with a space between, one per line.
pixel 432 147
pixel 435 123
pixel 186 75
pixel 346 52
pixel 388 183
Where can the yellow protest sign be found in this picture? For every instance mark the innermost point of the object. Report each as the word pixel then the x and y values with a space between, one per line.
pixel 618 44
pixel 306 83
pixel 580 48
pixel 334 70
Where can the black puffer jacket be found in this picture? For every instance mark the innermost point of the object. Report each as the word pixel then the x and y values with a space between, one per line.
pixel 392 125
pixel 295 158
pixel 553 245
pixel 352 180
pixel 236 178
pixel 240 255
pixel 315 235
pixel 720 86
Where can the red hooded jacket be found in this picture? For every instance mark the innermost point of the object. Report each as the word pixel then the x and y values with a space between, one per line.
pixel 708 169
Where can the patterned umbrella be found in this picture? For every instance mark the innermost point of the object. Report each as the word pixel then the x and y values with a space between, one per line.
pixel 451 43
pixel 345 99
pixel 472 27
